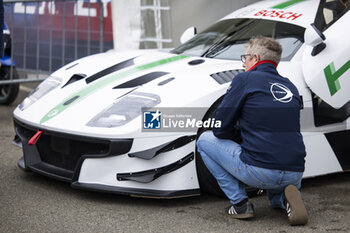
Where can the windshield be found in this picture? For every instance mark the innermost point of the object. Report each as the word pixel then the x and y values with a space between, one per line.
pixel 227 39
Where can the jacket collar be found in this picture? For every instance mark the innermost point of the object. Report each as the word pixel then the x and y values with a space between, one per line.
pixel 263 62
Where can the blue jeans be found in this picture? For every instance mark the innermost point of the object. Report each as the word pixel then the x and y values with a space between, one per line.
pixel 221 156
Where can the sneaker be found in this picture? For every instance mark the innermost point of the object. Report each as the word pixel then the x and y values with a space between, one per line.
pixel 241 212
pixel 295 208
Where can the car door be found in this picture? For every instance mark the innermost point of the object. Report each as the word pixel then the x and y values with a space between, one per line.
pixel 328 72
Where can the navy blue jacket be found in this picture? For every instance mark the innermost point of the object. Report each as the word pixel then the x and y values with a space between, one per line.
pixel 267 108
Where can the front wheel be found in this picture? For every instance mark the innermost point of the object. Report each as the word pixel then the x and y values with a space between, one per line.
pixel 8 92
pixel 206 180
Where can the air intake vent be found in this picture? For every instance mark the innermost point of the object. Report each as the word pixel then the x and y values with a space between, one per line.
pixel 141 80
pixel 74 78
pixel 225 76
pixel 109 70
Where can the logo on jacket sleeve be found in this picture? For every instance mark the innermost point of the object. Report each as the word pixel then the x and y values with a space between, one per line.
pixel 281 93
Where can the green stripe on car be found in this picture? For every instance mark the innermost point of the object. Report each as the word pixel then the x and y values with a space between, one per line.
pixel 93 87
pixel 287 4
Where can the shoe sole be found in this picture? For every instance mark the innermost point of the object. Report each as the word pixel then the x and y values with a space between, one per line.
pixel 298 214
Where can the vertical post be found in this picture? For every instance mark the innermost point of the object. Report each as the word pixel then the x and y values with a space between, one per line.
pixel 114 8
pixel 50 37
pixel 158 23
pixel 64 33
pixel 101 27
pixel 38 42
pixel 76 31
pixel 25 37
pixel 89 30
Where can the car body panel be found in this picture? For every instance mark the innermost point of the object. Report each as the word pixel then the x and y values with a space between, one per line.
pixel 328 73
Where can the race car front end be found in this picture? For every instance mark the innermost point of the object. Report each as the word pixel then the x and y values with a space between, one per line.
pixel 91 132
pixel 110 165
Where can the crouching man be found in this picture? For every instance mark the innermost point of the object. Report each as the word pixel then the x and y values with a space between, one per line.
pixel 259 142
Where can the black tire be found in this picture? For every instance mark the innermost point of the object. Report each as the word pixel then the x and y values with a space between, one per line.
pixel 207 182
pixel 8 92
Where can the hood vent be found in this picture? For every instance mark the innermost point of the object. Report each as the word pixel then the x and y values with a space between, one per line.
pixel 166 81
pixel 225 76
pixel 111 69
pixel 196 62
pixel 74 78
pixel 141 80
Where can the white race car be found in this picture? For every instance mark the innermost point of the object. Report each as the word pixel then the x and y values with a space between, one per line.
pixel 116 121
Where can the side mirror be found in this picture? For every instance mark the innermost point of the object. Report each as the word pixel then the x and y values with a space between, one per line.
pixel 188 34
pixel 314 37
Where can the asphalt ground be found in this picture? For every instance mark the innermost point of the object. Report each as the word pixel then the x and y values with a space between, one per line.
pixel 34 203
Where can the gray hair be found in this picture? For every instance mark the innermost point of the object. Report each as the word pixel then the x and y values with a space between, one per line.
pixel 266 47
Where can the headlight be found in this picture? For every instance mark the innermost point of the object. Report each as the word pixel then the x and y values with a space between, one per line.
pixel 45 87
pixel 124 110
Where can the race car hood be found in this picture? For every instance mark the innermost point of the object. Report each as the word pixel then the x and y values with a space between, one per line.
pixel 76 101
pixel 89 65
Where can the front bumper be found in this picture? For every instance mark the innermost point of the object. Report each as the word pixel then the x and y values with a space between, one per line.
pixel 61 156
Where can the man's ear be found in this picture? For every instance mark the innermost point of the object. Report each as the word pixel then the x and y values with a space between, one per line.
pixel 256 56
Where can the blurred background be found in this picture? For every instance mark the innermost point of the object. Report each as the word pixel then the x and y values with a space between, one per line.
pixel 46 35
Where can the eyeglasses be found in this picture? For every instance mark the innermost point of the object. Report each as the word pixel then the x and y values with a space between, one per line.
pixel 244 57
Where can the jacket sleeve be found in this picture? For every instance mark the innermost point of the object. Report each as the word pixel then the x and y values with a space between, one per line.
pixel 230 108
